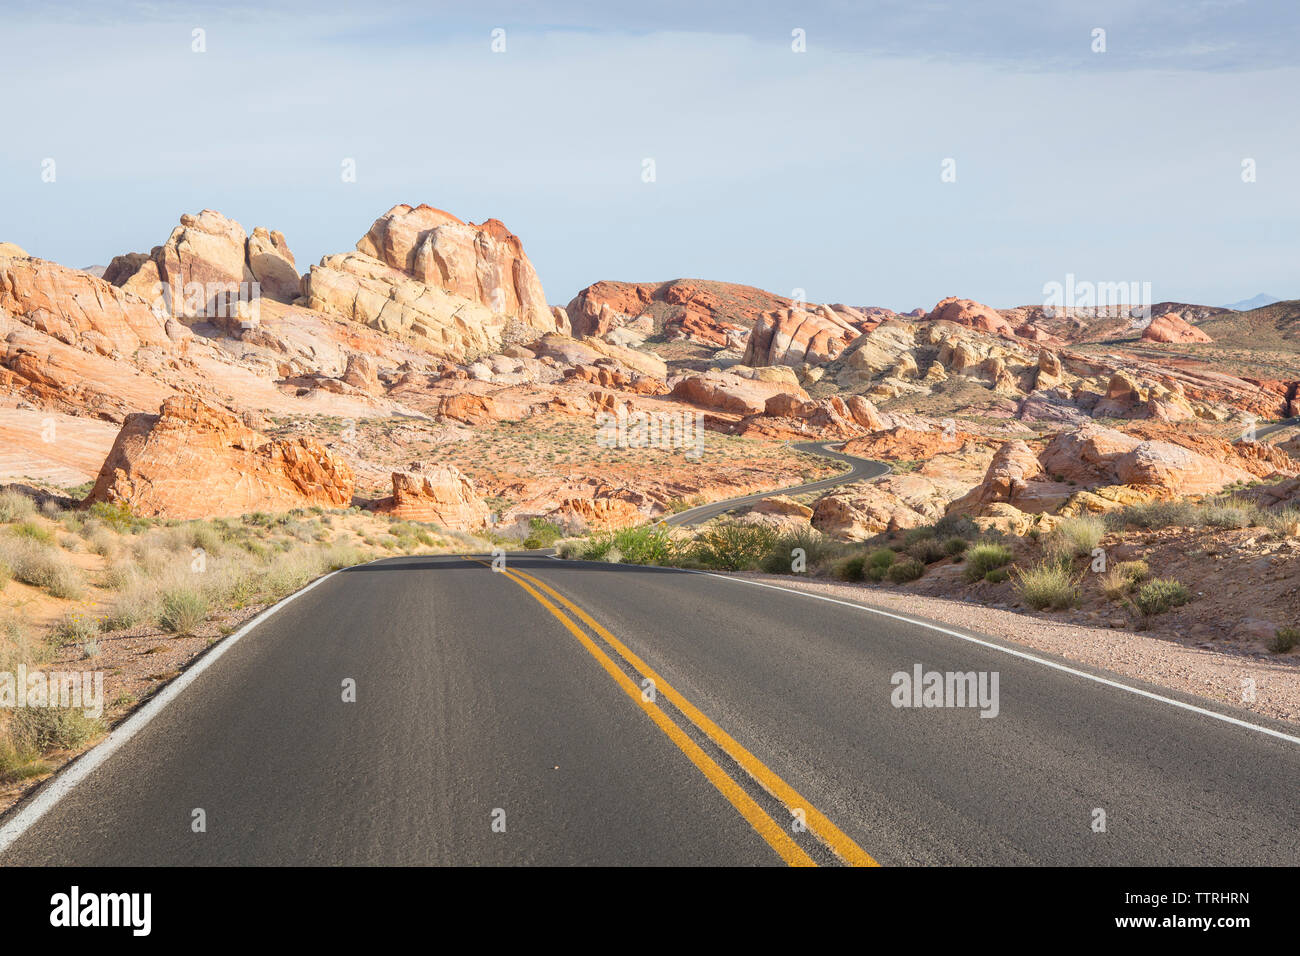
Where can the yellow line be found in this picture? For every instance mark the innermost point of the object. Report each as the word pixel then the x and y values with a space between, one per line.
pixel 839 843
pixel 766 827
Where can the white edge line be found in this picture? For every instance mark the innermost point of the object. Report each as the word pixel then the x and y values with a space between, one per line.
pixel 1012 651
pixel 86 764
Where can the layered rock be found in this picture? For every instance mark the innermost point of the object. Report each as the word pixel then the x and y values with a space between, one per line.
pixel 795 337
pixel 439 494
pixel 725 392
pixel 193 460
pixel 484 263
pixel 206 266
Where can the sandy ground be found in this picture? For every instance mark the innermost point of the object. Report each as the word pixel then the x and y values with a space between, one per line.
pixel 1215 675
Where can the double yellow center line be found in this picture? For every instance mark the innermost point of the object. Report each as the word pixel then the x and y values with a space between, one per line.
pixel 775 835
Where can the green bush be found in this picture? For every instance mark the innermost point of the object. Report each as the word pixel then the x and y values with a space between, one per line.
pixel 955 547
pixel 542 534
pixel 1048 586
pixel 1161 595
pixel 1285 639
pixel 850 569
pixel 33 532
pixel 731 546
pixel 908 569
pixel 983 558
pixel 997 576
pixel 648 544
pixel 928 550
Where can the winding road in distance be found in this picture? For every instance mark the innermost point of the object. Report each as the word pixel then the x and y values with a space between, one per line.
pixel 861 469
pixel 569 712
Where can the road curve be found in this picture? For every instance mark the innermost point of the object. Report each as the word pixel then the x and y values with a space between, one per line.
pixel 860 469
pixel 565 712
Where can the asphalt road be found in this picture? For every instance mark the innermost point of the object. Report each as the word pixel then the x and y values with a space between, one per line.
pixel 860 469
pixel 768 736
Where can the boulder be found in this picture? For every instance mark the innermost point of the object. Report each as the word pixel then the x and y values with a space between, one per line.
pixel 438 494
pixel 193 460
pixel 1171 327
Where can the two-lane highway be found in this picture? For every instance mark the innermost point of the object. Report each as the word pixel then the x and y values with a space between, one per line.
pixel 574 712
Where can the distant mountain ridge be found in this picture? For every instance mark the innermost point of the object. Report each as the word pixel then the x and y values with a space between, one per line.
pixel 1258 302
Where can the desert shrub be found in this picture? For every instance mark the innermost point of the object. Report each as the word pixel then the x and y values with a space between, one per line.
pixel 182 609
pixel 1154 514
pixel 878 564
pixel 1076 537
pixel 117 516
pixel 15 506
pixel 1285 639
pixel 850 569
pixel 955 546
pixel 32 532
pixel 6 574
pixel 912 535
pixel 956 526
pixel 732 546
pixel 75 629
pixel 542 534
pixel 983 558
pixel 1161 595
pixel 997 576
pixel 1048 586
pixel 907 569
pixel 41 566
pixel 1121 578
pixel 1284 522
pixel 927 550
pixel 1231 513
pixel 40 729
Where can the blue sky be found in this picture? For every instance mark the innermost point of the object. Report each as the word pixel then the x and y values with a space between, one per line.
pixel 818 170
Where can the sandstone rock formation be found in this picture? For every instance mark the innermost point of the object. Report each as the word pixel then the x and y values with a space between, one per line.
pixel 795 336
pixel 1171 327
pixel 440 494
pixel 725 392
pixel 483 263
pixel 970 313
pixel 192 460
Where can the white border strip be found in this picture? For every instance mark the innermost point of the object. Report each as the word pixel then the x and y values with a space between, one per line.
pixel 85 765
pixel 1014 653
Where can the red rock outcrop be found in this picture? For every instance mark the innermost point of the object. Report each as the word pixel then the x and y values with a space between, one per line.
pixel 731 393
pixel 439 494
pixel 193 460
pixel 973 314
pixel 1171 327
